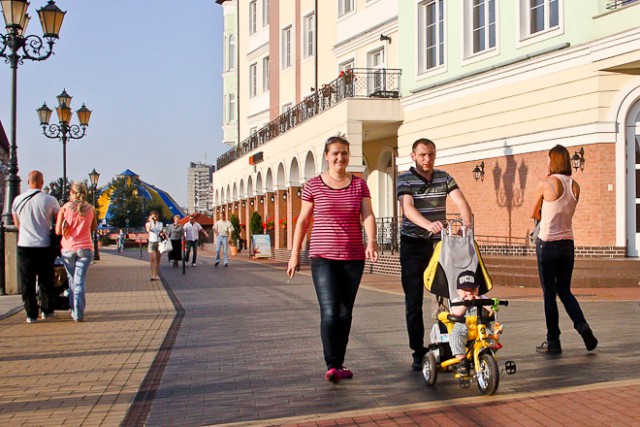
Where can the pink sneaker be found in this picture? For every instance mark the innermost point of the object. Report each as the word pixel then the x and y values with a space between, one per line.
pixel 332 375
pixel 345 373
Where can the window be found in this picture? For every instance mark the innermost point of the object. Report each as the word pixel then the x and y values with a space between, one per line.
pixel 265 74
pixel 265 13
pixel 483 25
pixel 253 80
pixel 539 16
pixel 376 80
pixel 231 108
pixel 344 7
pixel 231 53
pixel 347 65
pixel 253 16
pixel 286 47
pixel 430 35
pixel 309 34
pixel 543 14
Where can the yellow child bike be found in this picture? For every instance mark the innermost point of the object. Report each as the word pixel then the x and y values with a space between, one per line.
pixel 482 345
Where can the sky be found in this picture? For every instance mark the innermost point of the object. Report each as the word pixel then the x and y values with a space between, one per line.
pixel 150 72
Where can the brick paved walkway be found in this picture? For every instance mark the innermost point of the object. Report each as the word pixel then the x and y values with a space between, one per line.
pixel 57 372
pixel 246 351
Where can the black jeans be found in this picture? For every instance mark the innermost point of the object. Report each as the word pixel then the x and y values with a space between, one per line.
pixel 32 263
pixel 555 267
pixel 415 255
pixel 336 284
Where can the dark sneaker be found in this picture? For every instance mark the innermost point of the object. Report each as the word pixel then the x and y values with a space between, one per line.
pixel 332 375
pixel 216 264
pixel 226 265
pixel 551 347
pixel 418 358
pixel 463 368
pixel 589 339
pixel 345 373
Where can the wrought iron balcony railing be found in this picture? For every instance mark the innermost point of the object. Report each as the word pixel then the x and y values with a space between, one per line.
pixel 356 83
pixel 615 4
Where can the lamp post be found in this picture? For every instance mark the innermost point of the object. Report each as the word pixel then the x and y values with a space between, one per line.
pixel 15 47
pixel 94 177
pixel 64 130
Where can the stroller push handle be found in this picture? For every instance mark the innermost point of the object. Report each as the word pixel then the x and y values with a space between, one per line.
pixel 479 303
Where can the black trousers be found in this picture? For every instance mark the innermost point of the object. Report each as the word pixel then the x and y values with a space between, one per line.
pixel 336 283
pixel 36 263
pixel 415 255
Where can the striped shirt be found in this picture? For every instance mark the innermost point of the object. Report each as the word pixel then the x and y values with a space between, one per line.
pixel 429 198
pixel 337 230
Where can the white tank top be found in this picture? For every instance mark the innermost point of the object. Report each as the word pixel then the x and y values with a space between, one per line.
pixel 557 215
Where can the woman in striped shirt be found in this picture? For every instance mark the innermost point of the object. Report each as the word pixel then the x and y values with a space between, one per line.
pixel 338 201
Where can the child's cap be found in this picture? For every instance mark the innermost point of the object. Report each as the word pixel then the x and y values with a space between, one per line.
pixel 466 280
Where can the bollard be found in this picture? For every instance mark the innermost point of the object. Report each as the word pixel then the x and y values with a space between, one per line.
pixel 184 251
pixel 2 261
pixel 140 242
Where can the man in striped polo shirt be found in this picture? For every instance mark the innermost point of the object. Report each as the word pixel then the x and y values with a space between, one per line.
pixel 422 193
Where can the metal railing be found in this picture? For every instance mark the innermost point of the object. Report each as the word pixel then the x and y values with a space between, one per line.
pixel 358 83
pixel 389 239
pixel 615 4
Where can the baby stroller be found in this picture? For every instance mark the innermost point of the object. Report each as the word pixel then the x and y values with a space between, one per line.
pixel 60 299
pixel 457 257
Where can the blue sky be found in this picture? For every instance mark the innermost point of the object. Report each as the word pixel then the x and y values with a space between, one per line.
pixel 150 70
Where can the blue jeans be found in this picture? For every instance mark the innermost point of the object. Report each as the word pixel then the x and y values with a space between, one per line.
pixel 555 267
pixel 192 244
pixel 336 284
pixel 222 242
pixel 77 264
pixel 415 255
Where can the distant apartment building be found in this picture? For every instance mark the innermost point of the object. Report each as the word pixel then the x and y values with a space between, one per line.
pixel 494 83
pixel 199 188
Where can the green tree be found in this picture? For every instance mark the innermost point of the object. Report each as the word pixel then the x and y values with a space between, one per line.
pixel 235 234
pixel 255 226
pixel 55 188
pixel 126 202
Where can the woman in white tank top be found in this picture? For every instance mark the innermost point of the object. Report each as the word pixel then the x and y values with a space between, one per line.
pixel 556 198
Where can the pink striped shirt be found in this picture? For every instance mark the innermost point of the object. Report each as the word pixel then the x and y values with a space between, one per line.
pixel 337 228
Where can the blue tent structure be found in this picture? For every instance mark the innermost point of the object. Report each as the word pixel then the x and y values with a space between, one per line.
pixel 146 190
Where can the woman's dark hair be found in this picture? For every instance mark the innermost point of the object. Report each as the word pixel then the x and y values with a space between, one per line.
pixel 559 161
pixel 335 140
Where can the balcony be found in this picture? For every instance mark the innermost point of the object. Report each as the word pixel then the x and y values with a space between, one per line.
pixel 615 4
pixel 355 83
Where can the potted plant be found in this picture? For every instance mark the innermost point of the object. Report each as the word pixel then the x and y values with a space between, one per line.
pixel 235 234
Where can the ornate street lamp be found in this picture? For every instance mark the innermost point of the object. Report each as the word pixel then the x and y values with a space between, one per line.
pixel 15 47
pixel 64 130
pixel 93 178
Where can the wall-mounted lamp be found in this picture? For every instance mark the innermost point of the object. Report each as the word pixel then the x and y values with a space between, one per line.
pixel 262 200
pixel 217 209
pixel 252 202
pixel 312 89
pixel 384 38
pixel 478 171
pixel 272 199
pixel 577 160
pixel 244 204
pixel 235 206
pixel 223 209
pixel 299 193
pixel 284 196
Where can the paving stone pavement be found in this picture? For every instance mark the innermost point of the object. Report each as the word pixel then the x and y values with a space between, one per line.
pixel 246 351
pixel 57 372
